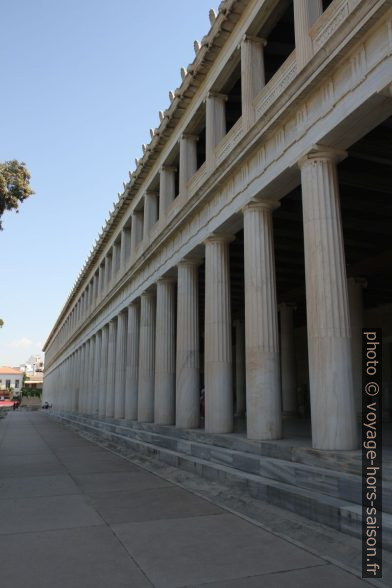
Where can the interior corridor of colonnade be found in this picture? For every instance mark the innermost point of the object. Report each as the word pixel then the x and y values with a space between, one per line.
pixel 73 514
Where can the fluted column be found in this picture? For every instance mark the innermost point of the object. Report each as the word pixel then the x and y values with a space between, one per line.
pixel 165 354
pixel 329 339
pixel 108 269
pixel 287 359
pixel 79 406
pixel 355 301
pixel 218 348
pixel 97 362
pixel 103 372
pixel 91 375
pixel 167 188
pixel 137 230
pixel 150 212
pixel 76 380
pixel 121 352
pixel 263 402
pixel 240 396
pixel 252 75
pixel 306 12
pixel 188 351
pixel 125 247
pixel 111 369
pixel 85 377
pixel 132 369
pixel 215 122
pixel 146 358
pixel 188 160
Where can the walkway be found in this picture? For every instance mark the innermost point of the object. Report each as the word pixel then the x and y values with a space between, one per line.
pixel 73 514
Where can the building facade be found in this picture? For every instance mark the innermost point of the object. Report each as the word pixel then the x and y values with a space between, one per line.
pixel 251 243
pixel 10 381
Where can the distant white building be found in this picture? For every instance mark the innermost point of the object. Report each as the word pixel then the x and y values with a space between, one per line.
pixel 33 365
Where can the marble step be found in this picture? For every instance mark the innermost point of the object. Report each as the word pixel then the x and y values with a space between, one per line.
pixel 340 514
pixel 338 484
pixel 297 450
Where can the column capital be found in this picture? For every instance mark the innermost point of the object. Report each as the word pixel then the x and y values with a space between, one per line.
pixel 212 94
pixel 219 238
pixel 148 293
pixel 322 152
pixel 151 192
pixel 168 168
pixel 166 280
pixel 190 261
pixel 134 303
pixel 190 136
pixel 259 203
pixel 254 39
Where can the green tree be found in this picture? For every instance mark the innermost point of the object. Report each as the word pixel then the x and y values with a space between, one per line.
pixel 14 185
pixel 1 323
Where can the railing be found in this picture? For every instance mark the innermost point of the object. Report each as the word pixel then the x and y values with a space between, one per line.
pixel 276 85
pixel 330 20
pixel 228 142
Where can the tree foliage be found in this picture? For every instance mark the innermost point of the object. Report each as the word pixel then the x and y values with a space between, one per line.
pixel 14 185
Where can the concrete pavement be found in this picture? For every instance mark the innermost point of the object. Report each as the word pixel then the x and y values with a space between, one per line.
pixel 74 514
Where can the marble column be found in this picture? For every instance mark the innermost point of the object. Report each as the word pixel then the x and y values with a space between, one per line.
pixel 111 369
pixel 240 395
pixel 252 75
pixel 188 351
pixel 146 358
pixel 91 368
pixel 125 246
pixel 108 271
pixel 328 322
pixel 167 188
pixel 80 379
pixel 287 359
pixel 218 347
pixel 97 363
pixel 150 212
pixel 103 372
pixel 263 401
pixel 215 122
pixel 132 369
pixel 165 353
pixel 355 302
pixel 121 352
pixel 85 377
pixel 137 230
pixel 188 160
pixel 77 380
pixel 306 12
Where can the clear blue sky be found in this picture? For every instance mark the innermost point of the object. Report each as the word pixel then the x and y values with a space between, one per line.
pixel 82 84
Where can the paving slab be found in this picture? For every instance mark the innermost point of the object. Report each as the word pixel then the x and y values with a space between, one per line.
pixel 103 483
pixel 323 577
pixel 44 513
pixel 28 487
pixel 96 463
pixel 151 504
pixel 188 551
pixel 89 557
pixel 35 464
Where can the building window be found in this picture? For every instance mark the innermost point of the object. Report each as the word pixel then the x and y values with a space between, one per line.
pixel 16 383
pixel 8 383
